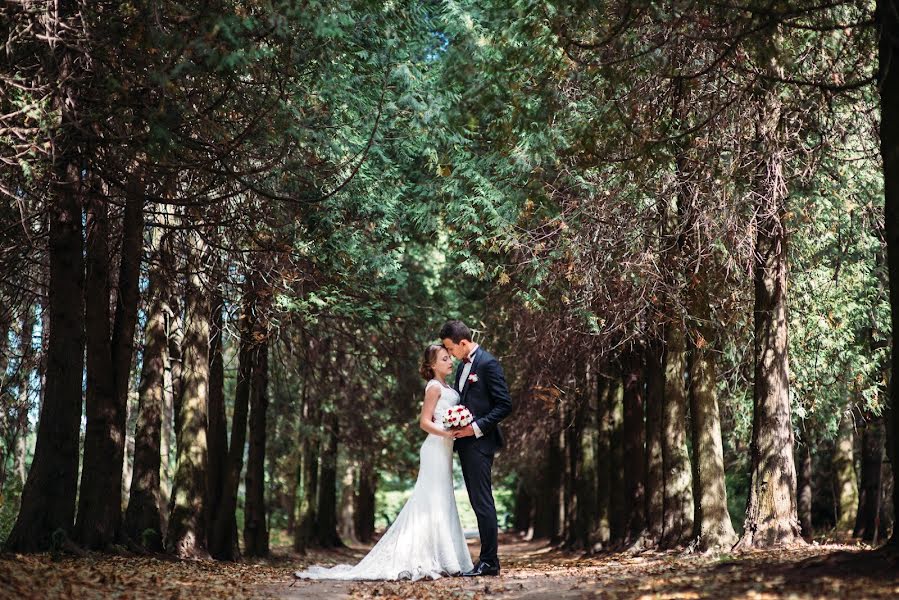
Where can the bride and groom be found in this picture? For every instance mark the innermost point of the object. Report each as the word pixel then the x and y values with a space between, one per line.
pixel 426 539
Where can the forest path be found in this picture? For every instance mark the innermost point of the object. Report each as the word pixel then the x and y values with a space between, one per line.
pixel 531 570
pixel 535 571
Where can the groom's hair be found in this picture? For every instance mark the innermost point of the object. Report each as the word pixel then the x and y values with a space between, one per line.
pixel 456 331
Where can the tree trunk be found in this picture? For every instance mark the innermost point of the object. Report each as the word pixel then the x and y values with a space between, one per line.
pixel 886 501
pixel 255 531
pixel 713 527
pixel 144 516
pixel 109 355
pixel 633 446
pixel 524 506
pixel 95 527
pixel 678 523
pixel 223 542
pixel 217 425
pixel 175 353
pixel 586 522
pixel 573 435
pixel 545 512
pixel 306 511
pixel 125 320
pixel 365 502
pixel 167 428
pixel 771 514
pixel 867 522
pixel 48 498
pixel 346 521
pixel 557 479
pixel 804 494
pixel 605 391
pixel 887 19
pixel 617 493
pixel 579 470
pixel 186 535
pixel 655 470
pixel 845 482
pixel 326 525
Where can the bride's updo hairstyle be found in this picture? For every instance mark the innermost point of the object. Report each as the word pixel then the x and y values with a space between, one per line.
pixel 427 361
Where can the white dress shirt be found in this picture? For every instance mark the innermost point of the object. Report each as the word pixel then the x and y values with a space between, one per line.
pixel 466 370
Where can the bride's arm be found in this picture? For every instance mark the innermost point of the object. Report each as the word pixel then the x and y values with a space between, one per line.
pixel 426 420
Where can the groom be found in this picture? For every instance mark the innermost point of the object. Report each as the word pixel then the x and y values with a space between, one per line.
pixel 484 392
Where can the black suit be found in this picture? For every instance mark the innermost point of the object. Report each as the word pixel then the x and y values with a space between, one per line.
pixel 488 400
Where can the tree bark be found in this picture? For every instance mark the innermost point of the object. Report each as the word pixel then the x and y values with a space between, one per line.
pixel 109 355
pixel 125 319
pixel 307 509
pixel 633 445
pixel 575 480
pixel 845 482
pixel 771 512
pixel 586 522
pixel 524 507
pixel 95 526
pixel 605 390
pixel 255 531
pixel 867 523
pixel 175 354
pixel 655 468
pixel 326 524
pixel 713 527
pixel 556 468
pixel 167 441
pixel 887 20
pixel 186 535
pixel 678 501
pixel 346 521
pixel 617 492
pixel 48 497
pixel 146 506
pixel 365 502
pixel 546 510
pixel 223 543
pixel 804 493
pixel 886 501
pixel 217 425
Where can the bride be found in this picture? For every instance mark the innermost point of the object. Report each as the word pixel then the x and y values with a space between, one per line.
pixel 426 539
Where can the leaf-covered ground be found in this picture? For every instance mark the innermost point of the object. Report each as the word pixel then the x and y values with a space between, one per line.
pixel 530 570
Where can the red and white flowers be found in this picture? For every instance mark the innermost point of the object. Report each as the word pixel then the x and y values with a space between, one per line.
pixel 456 416
pixel 472 378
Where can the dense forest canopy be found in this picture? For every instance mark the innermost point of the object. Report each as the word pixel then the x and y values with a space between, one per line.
pixel 229 231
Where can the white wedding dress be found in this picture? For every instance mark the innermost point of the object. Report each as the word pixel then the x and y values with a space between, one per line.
pixel 426 539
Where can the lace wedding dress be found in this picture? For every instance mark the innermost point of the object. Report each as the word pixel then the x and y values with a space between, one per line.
pixel 426 539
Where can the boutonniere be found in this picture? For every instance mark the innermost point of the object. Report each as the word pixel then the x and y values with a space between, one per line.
pixel 473 378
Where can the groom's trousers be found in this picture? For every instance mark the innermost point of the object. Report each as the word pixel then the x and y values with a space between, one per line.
pixel 476 469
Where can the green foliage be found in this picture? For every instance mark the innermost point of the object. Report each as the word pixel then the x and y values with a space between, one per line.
pixel 9 505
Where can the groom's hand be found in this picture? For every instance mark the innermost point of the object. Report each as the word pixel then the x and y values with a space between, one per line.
pixel 464 432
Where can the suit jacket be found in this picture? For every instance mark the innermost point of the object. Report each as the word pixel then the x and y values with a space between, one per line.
pixel 488 400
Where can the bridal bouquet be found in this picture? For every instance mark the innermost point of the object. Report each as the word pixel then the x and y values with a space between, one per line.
pixel 456 417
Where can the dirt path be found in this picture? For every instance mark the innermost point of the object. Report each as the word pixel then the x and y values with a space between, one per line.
pixel 531 570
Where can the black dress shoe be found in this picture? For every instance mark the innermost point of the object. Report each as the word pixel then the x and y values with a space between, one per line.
pixel 482 568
